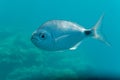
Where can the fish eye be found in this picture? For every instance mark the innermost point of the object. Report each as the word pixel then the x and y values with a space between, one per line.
pixel 42 36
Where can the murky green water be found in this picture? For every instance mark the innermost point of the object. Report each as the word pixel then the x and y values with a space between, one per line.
pixel 21 60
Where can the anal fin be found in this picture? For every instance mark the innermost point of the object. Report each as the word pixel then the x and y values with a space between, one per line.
pixel 75 46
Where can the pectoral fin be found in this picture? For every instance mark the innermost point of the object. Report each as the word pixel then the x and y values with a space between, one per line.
pixel 61 37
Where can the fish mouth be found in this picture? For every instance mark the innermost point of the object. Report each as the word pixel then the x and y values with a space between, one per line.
pixel 33 38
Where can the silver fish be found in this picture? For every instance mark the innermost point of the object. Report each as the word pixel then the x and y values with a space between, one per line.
pixel 59 35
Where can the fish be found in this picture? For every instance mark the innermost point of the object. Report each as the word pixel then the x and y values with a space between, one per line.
pixel 60 35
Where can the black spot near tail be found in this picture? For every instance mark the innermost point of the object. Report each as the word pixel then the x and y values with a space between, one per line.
pixel 88 32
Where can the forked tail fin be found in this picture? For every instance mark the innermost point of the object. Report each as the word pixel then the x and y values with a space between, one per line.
pixel 96 32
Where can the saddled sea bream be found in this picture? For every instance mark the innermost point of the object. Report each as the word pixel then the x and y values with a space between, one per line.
pixel 59 35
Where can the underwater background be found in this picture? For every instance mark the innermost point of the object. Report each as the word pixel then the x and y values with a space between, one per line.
pixel 21 60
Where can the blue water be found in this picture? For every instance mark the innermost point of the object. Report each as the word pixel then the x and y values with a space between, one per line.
pixel 21 60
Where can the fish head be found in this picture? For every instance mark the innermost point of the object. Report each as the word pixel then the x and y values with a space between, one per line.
pixel 42 39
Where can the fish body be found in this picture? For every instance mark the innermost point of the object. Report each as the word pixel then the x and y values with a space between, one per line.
pixel 59 35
